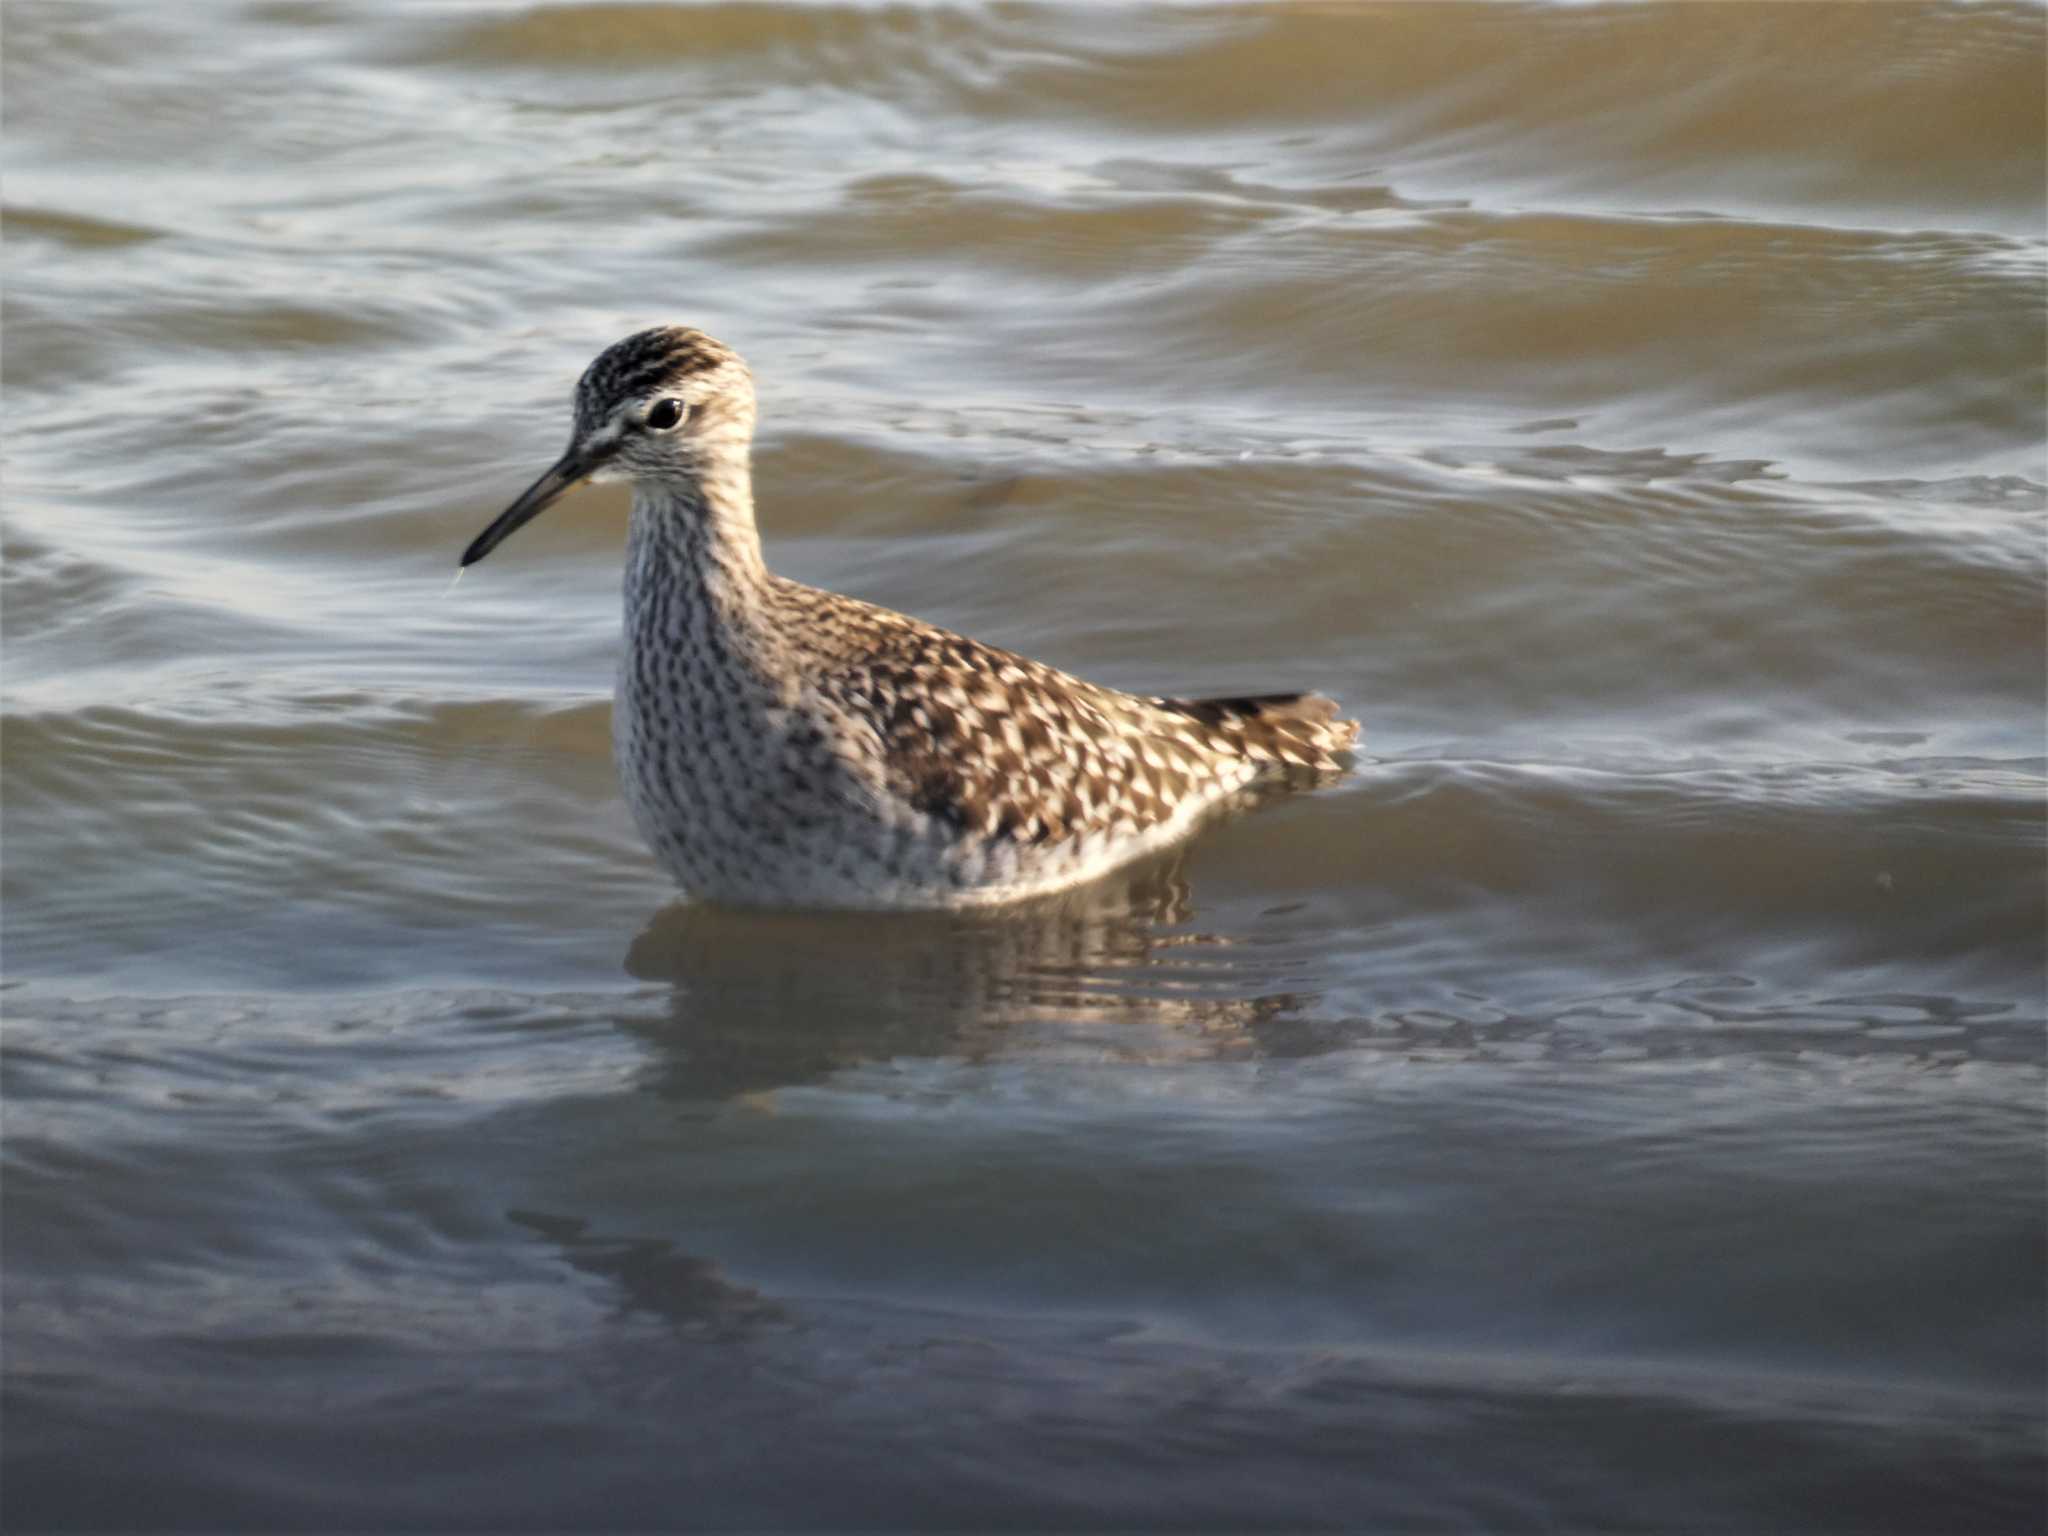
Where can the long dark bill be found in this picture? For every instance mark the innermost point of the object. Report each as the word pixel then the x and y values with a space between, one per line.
pixel 569 471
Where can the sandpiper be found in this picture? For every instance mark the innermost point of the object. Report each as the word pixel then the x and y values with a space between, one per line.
pixel 780 745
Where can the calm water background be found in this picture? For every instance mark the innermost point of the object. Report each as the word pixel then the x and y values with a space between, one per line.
pixel 1618 1104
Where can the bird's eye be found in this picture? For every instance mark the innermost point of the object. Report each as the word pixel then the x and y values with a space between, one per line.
pixel 665 414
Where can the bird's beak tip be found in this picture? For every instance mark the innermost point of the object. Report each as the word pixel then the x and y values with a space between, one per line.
pixel 569 472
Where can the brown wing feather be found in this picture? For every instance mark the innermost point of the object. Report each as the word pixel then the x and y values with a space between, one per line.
pixel 1006 747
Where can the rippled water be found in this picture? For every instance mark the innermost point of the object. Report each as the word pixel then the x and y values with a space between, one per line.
pixel 1619 1103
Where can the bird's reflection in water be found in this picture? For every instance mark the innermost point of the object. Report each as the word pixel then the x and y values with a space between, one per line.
pixel 653 1276
pixel 1114 970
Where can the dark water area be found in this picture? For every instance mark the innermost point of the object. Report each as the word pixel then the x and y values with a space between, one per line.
pixel 1617 1104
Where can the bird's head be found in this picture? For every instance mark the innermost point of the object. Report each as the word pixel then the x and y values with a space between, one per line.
pixel 663 406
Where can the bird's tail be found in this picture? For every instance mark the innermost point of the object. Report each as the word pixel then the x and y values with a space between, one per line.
pixel 1296 731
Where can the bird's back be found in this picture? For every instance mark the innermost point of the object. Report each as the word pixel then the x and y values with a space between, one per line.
pixel 1023 776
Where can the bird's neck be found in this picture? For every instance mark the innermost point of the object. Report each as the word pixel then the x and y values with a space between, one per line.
pixel 694 544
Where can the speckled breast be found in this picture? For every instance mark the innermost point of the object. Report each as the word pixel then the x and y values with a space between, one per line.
pixel 746 790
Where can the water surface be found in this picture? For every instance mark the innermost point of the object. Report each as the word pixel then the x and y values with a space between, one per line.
pixel 1617 1104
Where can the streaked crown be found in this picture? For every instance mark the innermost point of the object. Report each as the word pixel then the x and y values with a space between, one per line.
pixel 667 359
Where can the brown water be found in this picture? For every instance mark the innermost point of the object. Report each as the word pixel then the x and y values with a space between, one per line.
pixel 1618 1104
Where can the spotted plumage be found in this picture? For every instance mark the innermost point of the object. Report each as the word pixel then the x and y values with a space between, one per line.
pixel 783 745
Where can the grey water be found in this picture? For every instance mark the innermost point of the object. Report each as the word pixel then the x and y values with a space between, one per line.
pixel 1619 1103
